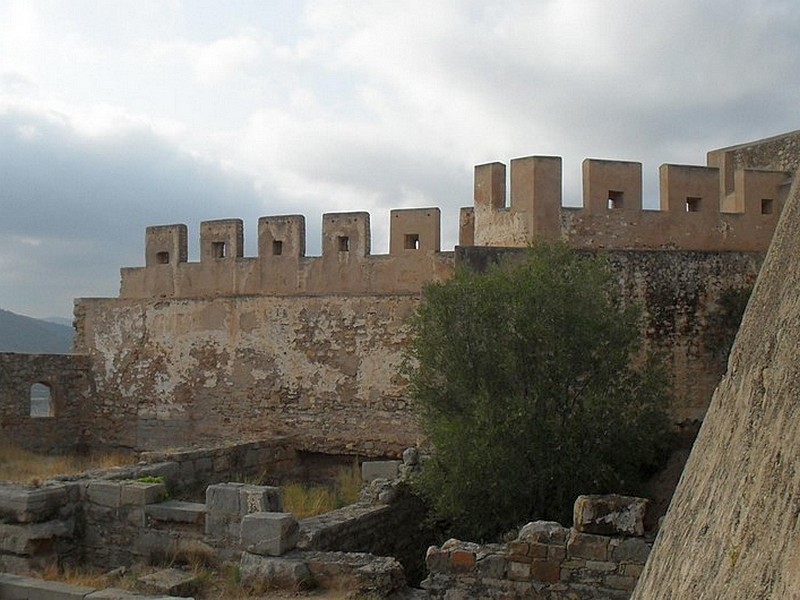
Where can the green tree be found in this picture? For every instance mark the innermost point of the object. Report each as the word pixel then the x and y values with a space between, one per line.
pixel 530 387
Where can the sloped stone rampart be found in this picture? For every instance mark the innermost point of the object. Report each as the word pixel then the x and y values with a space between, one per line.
pixel 733 528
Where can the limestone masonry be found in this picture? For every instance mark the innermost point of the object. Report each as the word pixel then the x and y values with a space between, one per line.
pixel 733 528
pixel 235 347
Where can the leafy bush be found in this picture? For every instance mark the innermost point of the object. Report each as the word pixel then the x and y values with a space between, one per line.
pixel 530 386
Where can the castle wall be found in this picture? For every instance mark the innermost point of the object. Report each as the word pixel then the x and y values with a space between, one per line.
pixel 39 423
pixel 732 530
pixel 327 368
pixel 173 372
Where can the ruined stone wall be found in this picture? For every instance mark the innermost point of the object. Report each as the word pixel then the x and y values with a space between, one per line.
pixel 733 527
pixel 172 372
pixel 38 424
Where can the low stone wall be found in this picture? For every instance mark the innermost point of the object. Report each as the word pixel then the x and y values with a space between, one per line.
pixel 59 424
pixel 29 588
pixel 548 561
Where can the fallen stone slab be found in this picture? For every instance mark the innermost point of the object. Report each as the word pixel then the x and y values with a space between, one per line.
pixel 170 581
pixel 274 572
pixel 16 587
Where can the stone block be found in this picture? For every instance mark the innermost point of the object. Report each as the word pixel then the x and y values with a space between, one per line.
pixel 269 533
pixel 435 560
pixel 518 571
pixel 139 493
pixel 176 511
pixel 519 550
pixel 601 566
pixel 19 504
pixel 268 572
pixel 379 469
pixel 546 571
pixel 632 550
pixel 260 498
pixel 27 539
pixel 543 532
pixel 492 566
pixel 610 515
pixel 223 527
pixel 224 498
pixel 587 546
pixel 105 493
pixel 28 588
pixel 14 587
pixel 170 581
pixel 462 561
pixel 411 457
pixel 556 552
pixel 621 582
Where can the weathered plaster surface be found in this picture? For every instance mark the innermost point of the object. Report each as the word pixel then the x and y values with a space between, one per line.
pixel 323 367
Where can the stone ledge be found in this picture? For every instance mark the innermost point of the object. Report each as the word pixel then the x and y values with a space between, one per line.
pixel 176 511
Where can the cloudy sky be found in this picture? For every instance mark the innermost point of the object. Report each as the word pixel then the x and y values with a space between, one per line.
pixel 115 115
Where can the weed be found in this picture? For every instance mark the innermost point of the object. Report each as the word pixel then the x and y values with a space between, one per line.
pixel 18 464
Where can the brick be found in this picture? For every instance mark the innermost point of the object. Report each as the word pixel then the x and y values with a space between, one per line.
pixel 588 546
pixel 538 550
pixel 546 571
pixel 436 561
pixel 632 570
pixel 556 553
pixel 633 550
pixel 621 582
pixel 517 549
pixel 518 571
pixel 462 561
pixel 601 566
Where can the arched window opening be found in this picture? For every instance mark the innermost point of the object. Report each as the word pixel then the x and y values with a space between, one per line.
pixel 41 400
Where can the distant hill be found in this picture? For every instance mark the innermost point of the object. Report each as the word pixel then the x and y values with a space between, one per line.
pixel 25 334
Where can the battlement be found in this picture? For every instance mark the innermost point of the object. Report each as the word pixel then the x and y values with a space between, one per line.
pixel 696 209
pixel 732 203
pixel 282 267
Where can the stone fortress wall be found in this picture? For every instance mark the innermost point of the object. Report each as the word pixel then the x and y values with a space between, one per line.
pixel 235 347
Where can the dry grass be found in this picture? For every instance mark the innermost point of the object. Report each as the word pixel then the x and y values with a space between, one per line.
pixel 18 464
pixel 304 500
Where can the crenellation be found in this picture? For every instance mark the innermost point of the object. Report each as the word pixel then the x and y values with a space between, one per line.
pixel 222 239
pixel 415 230
pixel 166 244
pixel 689 188
pixel 345 236
pixel 611 185
pixel 282 237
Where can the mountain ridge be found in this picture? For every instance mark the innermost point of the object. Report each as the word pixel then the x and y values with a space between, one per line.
pixel 19 333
